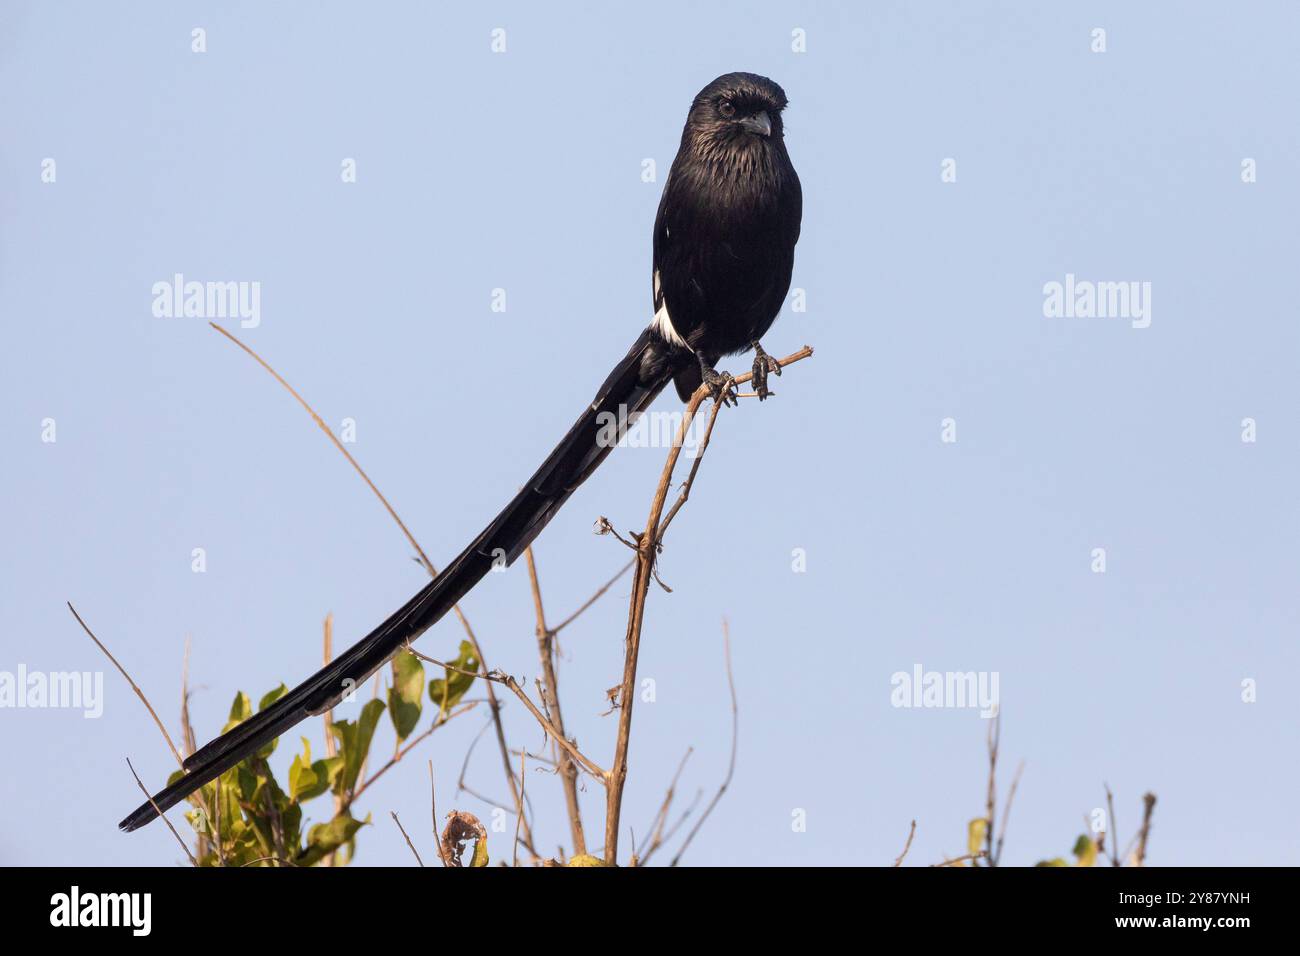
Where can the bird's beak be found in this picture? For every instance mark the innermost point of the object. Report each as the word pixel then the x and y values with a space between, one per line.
pixel 759 123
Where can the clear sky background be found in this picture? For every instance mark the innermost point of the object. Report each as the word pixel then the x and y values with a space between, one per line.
pixel 522 171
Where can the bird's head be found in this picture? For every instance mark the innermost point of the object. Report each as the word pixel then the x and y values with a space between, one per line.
pixel 737 110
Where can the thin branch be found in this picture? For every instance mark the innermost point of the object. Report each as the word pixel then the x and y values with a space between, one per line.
pixel 593 599
pixel 393 814
pixel 155 807
pixel 735 739
pixel 685 493
pixel 202 842
pixel 551 698
pixel 1110 831
pixel 1148 805
pixel 327 653
pixel 656 838
pixel 510 683
pixel 518 820
pixel 332 437
pixel 906 846
pixel 138 692
pixel 433 810
pixel 995 734
pixel 328 656
pixel 402 752
pixel 647 549
pixel 187 729
pixel 1006 811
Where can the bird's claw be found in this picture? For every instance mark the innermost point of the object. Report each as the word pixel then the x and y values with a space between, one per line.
pixel 763 364
pixel 721 386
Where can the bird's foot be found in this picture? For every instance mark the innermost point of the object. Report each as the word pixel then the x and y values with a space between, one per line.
pixel 763 363
pixel 721 385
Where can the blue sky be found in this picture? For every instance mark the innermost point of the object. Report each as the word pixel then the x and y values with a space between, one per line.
pixel 522 171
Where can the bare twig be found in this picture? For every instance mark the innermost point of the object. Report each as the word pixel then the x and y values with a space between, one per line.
pixel 1110 830
pixel 906 846
pixel 647 550
pixel 522 784
pixel 332 437
pixel 593 599
pixel 995 734
pixel 187 729
pixel 1006 811
pixel 402 752
pixel 735 737
pixel 685 493
pixel 433 809
pixel 188 741
pixel 657 836
pixel 328 656
pixel 155 806
pixel 393 814
pixel 510 683
pixel 551 698
pixel 327 653
pixel 138 692
pixel 1148 805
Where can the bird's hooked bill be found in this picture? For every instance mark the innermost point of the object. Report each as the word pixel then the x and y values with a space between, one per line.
pixel 759 123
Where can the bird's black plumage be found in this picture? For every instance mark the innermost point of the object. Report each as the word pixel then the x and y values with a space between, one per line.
pixel 724 242
pixel 727 225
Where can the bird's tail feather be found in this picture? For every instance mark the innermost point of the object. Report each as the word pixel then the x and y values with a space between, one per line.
pixel 629 389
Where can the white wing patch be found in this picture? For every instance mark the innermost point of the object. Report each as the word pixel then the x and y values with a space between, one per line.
pixel 663 322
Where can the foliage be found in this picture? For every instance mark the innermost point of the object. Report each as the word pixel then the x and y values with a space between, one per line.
pixel 1085 854
pixel 247 818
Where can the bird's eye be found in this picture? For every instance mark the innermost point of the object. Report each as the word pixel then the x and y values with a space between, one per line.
pixel 726 108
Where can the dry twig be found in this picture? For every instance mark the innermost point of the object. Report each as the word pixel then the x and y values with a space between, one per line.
pixel 551 700
pixel 138 692
pixel 735 738
pixel 647 549
pixel 143 790
pixel 393 814
pixel 906 846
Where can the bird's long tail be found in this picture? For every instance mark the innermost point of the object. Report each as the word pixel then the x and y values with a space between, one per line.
pixel 629 389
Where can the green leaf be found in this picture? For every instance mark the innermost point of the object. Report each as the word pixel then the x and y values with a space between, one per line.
pixel 249 782
pixel 1057 861
pixel 329 770
pixel 240 711
pixel 405 697
pixel 445 692
pixel 480 853
pixel 354 743
pixel 976 832
pixel 302 777
pixel 324 838
pixel 270 697
pixel 1085 851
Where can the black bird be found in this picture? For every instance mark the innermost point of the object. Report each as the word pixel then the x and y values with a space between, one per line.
pixel 724 243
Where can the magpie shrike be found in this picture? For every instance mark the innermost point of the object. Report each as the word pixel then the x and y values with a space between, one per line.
pixel 724 243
